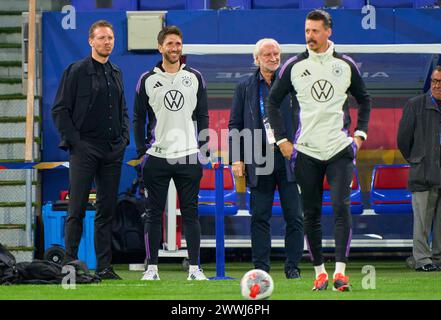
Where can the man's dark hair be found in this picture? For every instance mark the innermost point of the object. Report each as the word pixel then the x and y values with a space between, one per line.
pixel 437 68
pixel 320 15
pixel 98 24
pixel 168 30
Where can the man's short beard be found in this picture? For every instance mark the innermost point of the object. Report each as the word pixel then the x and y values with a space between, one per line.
pixel 103 55
pixel 270 70
pixel 170 61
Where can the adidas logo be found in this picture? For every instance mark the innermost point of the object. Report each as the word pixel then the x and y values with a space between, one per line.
pixel 306 73
pixel 157 85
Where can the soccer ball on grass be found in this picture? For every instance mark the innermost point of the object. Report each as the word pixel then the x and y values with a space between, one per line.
pixel 256 285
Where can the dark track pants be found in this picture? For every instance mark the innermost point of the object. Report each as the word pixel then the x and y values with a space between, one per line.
pixel 261 204
pixel 87 162
pixel 310 173
pixel 157 173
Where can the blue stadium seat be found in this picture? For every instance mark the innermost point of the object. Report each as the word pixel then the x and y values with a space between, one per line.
pixel 239 4
pixel 389 192
pixel 275 4
pixel 425 3
pixel 126 5
pixel 391 3
pixel 217 4
pixel 191 4
pixel 207 193
pixel 345 4
pixel 356 201
pixel 353 4
pixel 312 4
pixel 162 5
pixel 277 208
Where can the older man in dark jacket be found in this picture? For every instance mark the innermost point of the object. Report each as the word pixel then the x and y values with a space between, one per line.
pixel 419 139
pixel 91 115
pixel 253 153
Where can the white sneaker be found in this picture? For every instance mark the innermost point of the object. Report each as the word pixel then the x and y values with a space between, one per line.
pixel 150 275
pixel 197 275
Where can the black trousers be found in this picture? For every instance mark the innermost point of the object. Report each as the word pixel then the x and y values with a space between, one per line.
pixel 310 173
pixel 261 203
pixel 186 174
pixel 100 162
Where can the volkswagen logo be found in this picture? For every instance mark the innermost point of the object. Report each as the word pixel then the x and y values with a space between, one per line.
pixel 174 100
pixel 322 91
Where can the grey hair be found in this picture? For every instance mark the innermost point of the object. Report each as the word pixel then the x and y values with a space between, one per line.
pixel 259 46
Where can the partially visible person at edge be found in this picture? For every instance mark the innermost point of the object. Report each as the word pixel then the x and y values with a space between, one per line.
pixel 419 139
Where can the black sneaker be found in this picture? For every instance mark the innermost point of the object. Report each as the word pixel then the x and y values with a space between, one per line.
pixel 292 273
pixel 108 274
pixel 430 267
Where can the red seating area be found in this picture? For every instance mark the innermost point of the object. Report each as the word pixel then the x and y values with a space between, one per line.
pixel 327 187
pixel 208 181
pixel 391 177
pixel 389 193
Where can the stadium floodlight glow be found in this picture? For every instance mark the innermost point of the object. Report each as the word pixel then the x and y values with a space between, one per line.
pixel 206 49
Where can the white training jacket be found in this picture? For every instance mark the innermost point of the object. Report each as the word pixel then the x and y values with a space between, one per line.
pixel 319 85
pixel 170 104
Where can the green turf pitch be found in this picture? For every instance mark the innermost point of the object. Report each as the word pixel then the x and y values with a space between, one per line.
pixel 393 280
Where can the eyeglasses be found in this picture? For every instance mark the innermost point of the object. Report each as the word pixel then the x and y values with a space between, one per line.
pixel 436 82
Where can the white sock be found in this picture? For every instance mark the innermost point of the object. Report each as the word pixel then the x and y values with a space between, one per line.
pixel 152 267
pixel 340 267
pixel 193 268
pixel 319 269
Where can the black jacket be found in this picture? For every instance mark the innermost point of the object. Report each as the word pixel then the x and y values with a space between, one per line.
pixel 76 93
pixel 245 113
pixel 419 142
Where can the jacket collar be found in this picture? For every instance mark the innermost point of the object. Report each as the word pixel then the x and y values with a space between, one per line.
pixel 324 56
pixel 258 76
pixel 435 100
pixel 159 68
pixel 430 103
pixel 91 67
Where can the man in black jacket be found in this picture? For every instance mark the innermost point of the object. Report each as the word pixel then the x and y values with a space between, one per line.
pixel 419 139
pixel 91 115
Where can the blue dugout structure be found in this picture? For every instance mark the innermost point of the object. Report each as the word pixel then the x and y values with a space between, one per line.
pixel 64 46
